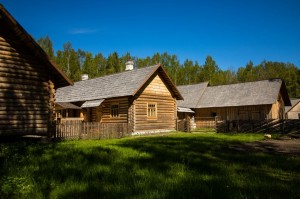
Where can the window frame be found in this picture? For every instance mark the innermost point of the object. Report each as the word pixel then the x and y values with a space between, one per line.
pixel 152 117
pixel 111 110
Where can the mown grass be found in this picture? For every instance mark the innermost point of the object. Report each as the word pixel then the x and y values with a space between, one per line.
pixel 171 166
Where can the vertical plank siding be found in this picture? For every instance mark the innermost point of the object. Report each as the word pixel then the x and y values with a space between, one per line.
pixel 76 129
pixel 27 96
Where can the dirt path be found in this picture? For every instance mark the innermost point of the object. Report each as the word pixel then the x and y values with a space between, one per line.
pixel 284 145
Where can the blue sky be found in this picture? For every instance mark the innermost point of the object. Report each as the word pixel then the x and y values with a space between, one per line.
pixel 233 32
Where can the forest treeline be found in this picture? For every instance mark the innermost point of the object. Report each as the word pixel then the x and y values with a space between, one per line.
pixel 77 62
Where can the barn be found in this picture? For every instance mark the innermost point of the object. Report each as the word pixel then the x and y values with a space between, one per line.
pixel 144 98
pixel 28 80
pixel 251 101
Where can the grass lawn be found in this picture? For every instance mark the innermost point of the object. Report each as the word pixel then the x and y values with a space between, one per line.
pixel 177 165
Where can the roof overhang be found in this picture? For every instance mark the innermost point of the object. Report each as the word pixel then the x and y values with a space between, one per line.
pixel 184 110
pixel 66 105
pixel 92 103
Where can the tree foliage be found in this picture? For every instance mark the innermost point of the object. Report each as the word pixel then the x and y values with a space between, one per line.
pixel 75 63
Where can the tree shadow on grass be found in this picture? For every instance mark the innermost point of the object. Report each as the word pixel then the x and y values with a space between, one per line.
pixel 151 167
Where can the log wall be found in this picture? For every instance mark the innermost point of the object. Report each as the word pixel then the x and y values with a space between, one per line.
pixel 155 92
pixel 26 94
pixel 123 110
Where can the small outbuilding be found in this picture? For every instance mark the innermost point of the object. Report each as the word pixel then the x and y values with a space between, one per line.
pixel 293 112
pixel 250 101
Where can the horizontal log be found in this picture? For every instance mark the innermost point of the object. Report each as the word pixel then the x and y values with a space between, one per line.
pixel 24 72
pixel 23 82
pixel 157 96
pixel 25 92
pixel 4 46
pixel 23 108
pixel 17 96
pixel 19 102
pixel 22 126
pixel 24 112
pixel 23 122
pixel 18 58
pixel 21 66
pixel 23 87
pixel 22 103
pixel 24 131
pixel 17 75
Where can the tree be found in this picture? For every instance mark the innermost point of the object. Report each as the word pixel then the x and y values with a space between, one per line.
pixel 67 54
pixel 113 65
pixel 210 68
pixel 47 46
pixel 100 63
pixel 81 57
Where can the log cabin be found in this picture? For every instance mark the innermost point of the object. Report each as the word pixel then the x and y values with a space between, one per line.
pixel 251 101
pixel 293 112
pixel 144 98
pixel 28 79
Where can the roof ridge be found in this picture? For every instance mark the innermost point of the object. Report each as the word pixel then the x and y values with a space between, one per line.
pixel 192 84
pixel 118 73
pixel 266 80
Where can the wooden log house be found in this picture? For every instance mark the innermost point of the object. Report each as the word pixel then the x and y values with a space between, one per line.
pixel 251 101
pixel 145 99
pixel 28 80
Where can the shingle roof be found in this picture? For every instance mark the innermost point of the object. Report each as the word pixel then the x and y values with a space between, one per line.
pixel 191 94
pixel 242 94
pixel 293 102
pixel 92 103
pixel 126 83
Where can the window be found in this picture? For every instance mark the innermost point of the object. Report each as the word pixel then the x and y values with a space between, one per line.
pixel 213 114
pixel 152 110
pixel 114 110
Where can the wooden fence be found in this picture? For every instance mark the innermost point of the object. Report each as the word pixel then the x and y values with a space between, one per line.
pixel 76 129
pixel 206 122
pixel 264 126
pixel 183 125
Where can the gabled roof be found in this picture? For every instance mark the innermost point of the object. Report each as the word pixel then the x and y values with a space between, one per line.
pixel 244 94
pixel 17 31
pixel 191 94
pixel 126 83
pixel 294 102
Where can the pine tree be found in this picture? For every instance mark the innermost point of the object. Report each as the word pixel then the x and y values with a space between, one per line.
pixel 47 46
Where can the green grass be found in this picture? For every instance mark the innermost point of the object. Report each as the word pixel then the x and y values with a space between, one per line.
pixel 178 165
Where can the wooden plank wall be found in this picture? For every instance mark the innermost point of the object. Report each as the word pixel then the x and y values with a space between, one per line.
pixel 155 92
pixel 26 96
pixel 258 112
pixel 294 112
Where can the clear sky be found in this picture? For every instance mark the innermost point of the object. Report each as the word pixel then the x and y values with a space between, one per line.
pixel 233 32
